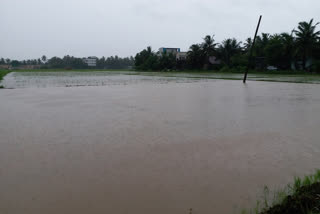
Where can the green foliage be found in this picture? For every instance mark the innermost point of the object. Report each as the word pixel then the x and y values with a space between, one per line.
pixel 44 59
pixel 115 62
pixel 167 61
pixel 306 38
pixel 316 66
pixel 195 57
pixel 285 51
pixel 56 62
pixel 235 69
pixel 148 60
pixel 70 62
pixel 2 61
pixel 299 197
pixel 239 60
pixel 228 49
pixel 15 63
pixel 2 74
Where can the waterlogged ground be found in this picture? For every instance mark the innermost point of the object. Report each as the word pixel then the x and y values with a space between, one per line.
pixel 144 147
pixel 76 79
pixel 101 78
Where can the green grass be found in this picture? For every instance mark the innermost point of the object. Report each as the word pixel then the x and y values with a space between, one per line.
pixel 302 196
pixel 64 70
pixel 2 74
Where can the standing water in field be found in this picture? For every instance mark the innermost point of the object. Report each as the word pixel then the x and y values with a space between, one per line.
pixel 106 78
pixel 154 148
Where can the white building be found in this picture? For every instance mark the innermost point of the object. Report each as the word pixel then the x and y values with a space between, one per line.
pixel 182 55
pixel 169 50
pixel 175 51
pixel 91 61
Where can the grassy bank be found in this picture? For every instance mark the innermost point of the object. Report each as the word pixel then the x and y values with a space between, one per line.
pixel 300 197
pixel 2 74
pixel 64 70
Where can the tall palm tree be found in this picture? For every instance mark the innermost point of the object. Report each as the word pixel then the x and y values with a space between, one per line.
pixel 247 45
pixel 195 56
pixel 307 37
pixel 149 49
pixel 289 47
pixel 261 43
pixel 229 48
pixel 208 47
pixel 44 59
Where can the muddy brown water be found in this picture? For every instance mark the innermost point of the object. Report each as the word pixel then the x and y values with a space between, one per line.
pixel 154 148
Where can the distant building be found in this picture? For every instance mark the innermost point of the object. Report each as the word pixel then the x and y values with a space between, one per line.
pixel 4 66
pixel 169 50
pixel 91 61
pixel 175 51
pixel 182 55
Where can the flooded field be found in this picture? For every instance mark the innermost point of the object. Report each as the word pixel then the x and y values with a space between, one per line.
pixel 43 79
pixel 76 79
pixel 141 147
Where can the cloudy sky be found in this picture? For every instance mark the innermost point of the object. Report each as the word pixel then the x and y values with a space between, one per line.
pixel 32 28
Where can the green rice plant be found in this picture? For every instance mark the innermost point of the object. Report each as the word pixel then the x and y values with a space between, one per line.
pixel 297 183
pixel 316 176
pixel 307 181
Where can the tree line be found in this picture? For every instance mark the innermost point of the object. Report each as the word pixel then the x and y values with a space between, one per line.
pixel 70 62
pixel 297 50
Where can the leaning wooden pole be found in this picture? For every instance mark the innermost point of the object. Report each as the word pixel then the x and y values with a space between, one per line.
pixel 251 51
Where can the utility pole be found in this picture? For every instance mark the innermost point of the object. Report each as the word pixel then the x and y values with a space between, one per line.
pixel 251 51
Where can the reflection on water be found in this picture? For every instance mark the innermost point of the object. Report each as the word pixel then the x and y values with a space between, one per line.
pixel 154 148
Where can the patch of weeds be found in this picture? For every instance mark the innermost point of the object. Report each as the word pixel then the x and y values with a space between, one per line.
pixel 300 197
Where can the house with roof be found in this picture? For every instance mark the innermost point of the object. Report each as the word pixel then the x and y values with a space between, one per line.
pixel 91 61
pixel 175 51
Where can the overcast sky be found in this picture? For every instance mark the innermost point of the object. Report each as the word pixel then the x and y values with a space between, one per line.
pixel 32 28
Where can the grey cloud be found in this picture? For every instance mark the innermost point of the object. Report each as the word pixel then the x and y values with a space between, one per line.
pixel 31 28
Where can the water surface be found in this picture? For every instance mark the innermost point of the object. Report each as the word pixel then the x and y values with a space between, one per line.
pixel 154 148
pixel 42 79
pixel 82 78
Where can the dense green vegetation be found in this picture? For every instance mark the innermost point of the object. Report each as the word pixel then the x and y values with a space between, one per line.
pixel 2 74
pixel 297 50
pixel 69 62
pixel 303 196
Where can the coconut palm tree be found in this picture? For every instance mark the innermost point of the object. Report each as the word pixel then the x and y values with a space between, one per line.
pixel 44 59
pixel 208 47
pixel 307 37
pixel 289 48
pixel 195 56
pixel 229 48
pixel 247 45
pixel 261 43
